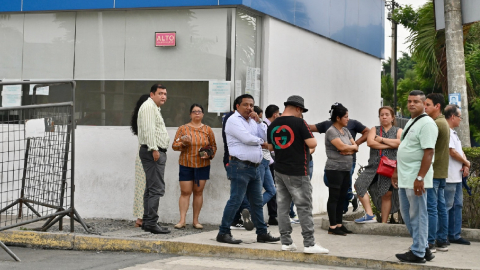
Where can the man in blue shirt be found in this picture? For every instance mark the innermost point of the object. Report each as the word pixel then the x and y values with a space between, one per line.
pixel 246 136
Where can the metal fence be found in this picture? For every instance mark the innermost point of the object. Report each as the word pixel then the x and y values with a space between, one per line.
pixel 37 160
pixel 401 122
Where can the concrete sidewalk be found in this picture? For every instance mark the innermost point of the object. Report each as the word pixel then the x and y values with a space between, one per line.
pixel 356 250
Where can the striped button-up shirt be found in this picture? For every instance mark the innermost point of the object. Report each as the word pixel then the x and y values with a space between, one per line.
pixel 151 127
pixel 244 138
pixel 201 137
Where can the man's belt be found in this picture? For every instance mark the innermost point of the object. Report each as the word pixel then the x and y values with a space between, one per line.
pixel 245 162
pixel 159 148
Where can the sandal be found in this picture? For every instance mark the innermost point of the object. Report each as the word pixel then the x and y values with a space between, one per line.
pixel 197 226
pixel 138 222
pixel 180 226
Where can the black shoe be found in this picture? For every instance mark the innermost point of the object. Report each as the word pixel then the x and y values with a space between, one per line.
pixel 345 230
pixel 156 229
pixel 441 246
pixel 336 231
pixel 272 221
pixel 355 202
pixel 460 241
pixel 428 255
pixel 409 257
pixel 266 238
pixel 237 225
pixel 227 238
pixel 247 221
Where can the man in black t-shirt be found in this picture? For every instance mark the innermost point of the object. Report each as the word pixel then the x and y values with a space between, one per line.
pixel 354 127
pixel 290 138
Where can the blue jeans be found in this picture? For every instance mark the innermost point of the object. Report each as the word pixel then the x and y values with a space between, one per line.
pixel 244 180
pixel 310 169
pixel 437 212
pixel 349 196
pixel 267 181
pixel 414 213
pixel 244 205
pixel 454 205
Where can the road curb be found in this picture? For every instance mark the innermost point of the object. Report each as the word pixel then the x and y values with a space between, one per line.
pixel 392 229
pixel 101 243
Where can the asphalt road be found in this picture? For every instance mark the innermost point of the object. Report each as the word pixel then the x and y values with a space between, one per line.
pixel 41 259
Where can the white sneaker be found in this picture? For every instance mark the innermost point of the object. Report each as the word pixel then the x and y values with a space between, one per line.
pixel 315 249
pixel 294 220
pixel 291 247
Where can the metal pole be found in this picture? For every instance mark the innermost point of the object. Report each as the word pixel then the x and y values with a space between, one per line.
pixel 2 245
pixel 72 163
pixel 395 68
pixel 456 63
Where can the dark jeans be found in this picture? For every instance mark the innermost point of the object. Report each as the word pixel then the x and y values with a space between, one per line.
pixel 337 191
pixel 244 180
pixel 155 184
pixel 272 204
pixel 437 212
pixel 244 205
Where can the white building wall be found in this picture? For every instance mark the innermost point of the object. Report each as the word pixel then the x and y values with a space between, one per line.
pixel 298 62
pixel 105 177
pixel 295 61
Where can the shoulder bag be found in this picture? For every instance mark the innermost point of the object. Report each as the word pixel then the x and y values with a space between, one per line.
pixel 386 167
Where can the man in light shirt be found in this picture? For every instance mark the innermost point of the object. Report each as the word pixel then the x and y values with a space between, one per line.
pixel 154 140
pixel 246 136
pixel 458 166
pixel 414 173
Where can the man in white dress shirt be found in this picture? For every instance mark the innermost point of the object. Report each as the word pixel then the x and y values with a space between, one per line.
pixel 458 166
pixel 246 136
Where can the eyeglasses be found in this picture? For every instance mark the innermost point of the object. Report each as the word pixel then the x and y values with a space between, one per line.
pixel 197 112
pixel 461 118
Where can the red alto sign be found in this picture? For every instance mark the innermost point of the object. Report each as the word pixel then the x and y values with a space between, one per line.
pixel 165 39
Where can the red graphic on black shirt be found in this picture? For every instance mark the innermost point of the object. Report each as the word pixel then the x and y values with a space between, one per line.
pixel 281 141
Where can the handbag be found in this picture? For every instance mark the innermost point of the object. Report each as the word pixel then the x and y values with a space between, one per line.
pixel 386 167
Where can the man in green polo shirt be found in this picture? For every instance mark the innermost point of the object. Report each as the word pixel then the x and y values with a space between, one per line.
pixel 437 211
pixel 414 173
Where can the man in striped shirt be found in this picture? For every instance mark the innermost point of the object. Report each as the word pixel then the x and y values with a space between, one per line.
pixel 154 140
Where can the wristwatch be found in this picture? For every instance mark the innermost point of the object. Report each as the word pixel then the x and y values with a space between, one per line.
pixel 419 178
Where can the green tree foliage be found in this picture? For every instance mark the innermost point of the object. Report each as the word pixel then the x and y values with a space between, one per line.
pixel 404 62
pixel 387 90
pixel 428 68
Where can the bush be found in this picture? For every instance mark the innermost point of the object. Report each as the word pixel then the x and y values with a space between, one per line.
pixel 471 204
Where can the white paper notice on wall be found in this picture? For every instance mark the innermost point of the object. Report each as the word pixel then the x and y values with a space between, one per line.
pixel 35 128
pixel 41 91
pixel 252 78
pixel 219 96
pixel 11 95
pixel 238 88
pixel 255 94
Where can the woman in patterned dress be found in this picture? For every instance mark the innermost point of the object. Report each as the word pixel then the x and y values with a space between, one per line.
pixel 384 196
pixel 139 172
pixel 194 164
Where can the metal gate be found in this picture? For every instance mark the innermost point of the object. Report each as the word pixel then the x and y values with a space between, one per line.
pixel 37 163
